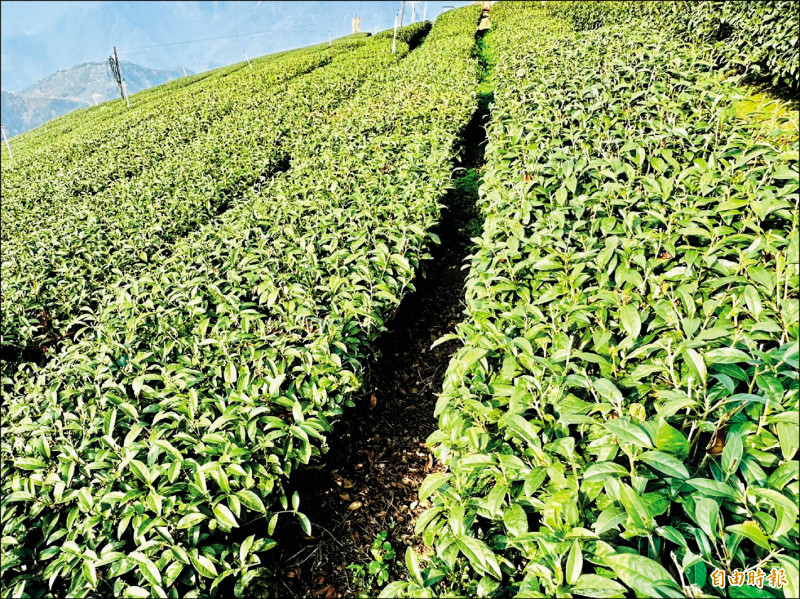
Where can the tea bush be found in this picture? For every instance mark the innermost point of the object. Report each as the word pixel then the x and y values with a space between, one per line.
pixel 129 458
pixel 758 38
pixel 410 34
pixel 64 246
pixel 623 415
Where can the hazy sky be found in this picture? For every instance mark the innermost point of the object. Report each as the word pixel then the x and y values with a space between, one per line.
pixel 40 38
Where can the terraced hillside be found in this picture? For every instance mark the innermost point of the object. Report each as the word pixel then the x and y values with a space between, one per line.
pixel 622 417
pixel 196 293
pixel 216 314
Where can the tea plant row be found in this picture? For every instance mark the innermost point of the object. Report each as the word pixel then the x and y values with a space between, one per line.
pixel 758 39
pixel 623 415
pixel 86 162
pixel 86 127
pixel 132 457
pixel 109 114
pixel 62 255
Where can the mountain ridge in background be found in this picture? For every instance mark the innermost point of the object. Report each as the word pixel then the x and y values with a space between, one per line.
pixel 198 35
pixel 77 87
pixel 42 38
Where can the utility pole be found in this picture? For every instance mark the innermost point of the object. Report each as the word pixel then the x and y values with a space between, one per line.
pixel 121 78
pixel 402 14
pixel 394 39
pixel 425 11
pixel 414 10
pixel 248 61
pixel 330 43
pixel 116 69
pixel 10 153
pixel 184 70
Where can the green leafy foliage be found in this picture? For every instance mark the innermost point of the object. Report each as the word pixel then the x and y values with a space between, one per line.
pixel 612 424
pixel 410 34
pixel 65 243
pixel 760 39
pixel 377 571
pixel 136 460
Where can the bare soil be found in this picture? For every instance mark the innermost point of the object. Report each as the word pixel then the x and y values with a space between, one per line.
pixel 367 482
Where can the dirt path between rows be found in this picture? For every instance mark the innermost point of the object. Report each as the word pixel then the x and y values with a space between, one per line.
pixel 367 482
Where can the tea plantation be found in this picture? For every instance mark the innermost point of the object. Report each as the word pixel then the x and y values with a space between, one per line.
pixel 193 289
pixel 623 416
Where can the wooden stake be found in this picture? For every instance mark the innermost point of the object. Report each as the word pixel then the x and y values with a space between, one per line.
pixel 10 153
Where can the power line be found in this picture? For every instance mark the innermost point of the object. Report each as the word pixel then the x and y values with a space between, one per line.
pixel 24 86
pixel 208 39
pixel 103 60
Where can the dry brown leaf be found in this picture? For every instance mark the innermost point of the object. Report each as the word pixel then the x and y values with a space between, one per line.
pixel 717 443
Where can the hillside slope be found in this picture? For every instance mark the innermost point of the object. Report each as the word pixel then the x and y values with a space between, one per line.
pixel 74 88
pixel 264 312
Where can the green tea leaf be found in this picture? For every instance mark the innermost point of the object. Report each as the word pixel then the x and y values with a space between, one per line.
pixel 696 364
pixel 666 463
pixel 431 483
pixel 712 488
pixel 634 506
pixel 600 471
pixel 631 321
pixel 204 566
pixel 190 520
pixel 515 520
pixel 790 565
pixel 305 523
pixel 147 567
pixel 672 534
pixel 141 471
pixel 30 464
pixel 706 513
pixel 628 432
pixel 775 498
pixel 726 355
pixel 608 390
pixel 251 500
pixel 574 563
pixel 640 573
pixel 225 516
pixel 751 531
pixel 671 440
pixel 412 563
pixel 89 573
pixel 732 453
pixel 592 585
